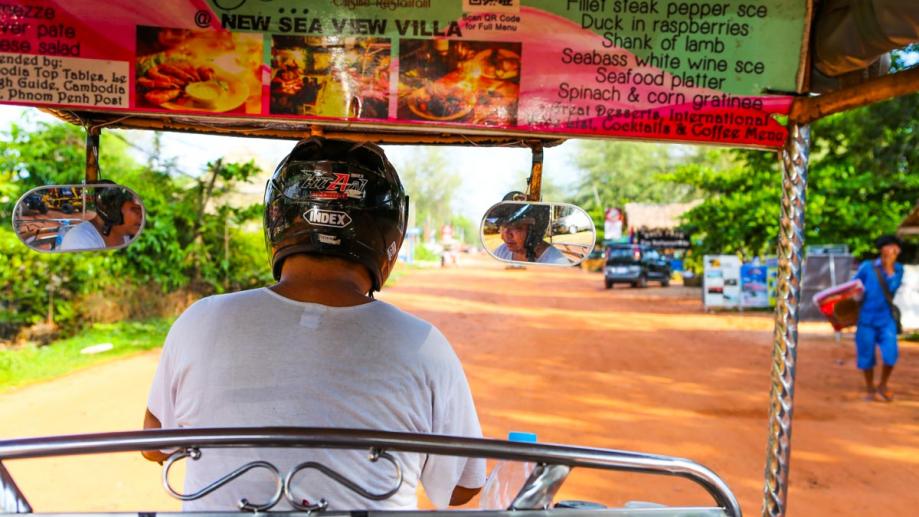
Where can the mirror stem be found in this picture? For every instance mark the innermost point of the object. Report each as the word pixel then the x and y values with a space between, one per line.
pixel 534 184
pixel 92 153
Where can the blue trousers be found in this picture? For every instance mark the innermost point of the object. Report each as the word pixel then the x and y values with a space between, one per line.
pixel 870 335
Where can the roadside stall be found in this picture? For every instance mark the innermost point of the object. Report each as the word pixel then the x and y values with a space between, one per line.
pixel 658 226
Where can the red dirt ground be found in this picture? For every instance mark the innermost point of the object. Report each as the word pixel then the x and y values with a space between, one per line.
pixel 552 352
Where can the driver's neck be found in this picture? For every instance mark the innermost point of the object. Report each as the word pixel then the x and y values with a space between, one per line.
pixel 325 280
pixel 113 238
pixel 538 251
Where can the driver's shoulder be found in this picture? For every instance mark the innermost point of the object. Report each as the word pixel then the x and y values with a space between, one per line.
pixel 416 335
pixel 218 306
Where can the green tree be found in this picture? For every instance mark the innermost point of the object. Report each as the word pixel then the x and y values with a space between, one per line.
pixel 863 179
pixel 465 230
pixel 38 287
pixel 431 184
pixel 194 230
pixel 52 154
pixel 740 211
pixel 616 173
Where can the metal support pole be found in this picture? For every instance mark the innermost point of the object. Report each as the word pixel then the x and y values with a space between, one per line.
pixel 534 192
pixel 785 338
pixel 92 154
pixel 540 488
pixel 11 498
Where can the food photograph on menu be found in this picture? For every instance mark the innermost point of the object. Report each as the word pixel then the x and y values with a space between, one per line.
pixel 330 77
pixel 191 70
pixel 459 81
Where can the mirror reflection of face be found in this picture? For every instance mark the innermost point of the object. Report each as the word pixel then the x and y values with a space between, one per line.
pixel 526 233
pixel 63 218
pixel 515 236
pixel 133 215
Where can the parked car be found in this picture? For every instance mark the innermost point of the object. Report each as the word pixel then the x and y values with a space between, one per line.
pixel 635 264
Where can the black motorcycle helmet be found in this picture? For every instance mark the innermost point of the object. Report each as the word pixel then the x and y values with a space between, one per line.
pixel 535 216
pixel 109 201
pixel 336 198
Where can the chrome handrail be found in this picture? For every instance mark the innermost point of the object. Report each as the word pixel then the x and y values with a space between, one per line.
pixel 311 437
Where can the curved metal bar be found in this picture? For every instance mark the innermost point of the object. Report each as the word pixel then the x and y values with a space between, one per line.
pixel 323 438
pixel 785 338
pixel 194 453
pixel 375 455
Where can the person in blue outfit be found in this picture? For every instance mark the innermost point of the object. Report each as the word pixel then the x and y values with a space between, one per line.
pixel 876 324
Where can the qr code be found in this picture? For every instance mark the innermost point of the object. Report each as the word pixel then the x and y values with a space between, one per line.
pixel 491 5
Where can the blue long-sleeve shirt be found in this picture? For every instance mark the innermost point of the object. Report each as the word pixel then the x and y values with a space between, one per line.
pixel 875 309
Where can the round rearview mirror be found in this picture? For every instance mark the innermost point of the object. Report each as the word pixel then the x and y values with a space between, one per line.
pixel 556 234
pixel 60 218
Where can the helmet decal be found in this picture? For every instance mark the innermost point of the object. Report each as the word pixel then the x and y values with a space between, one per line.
pixel 329 239
pixel 331 218
pixel 324 185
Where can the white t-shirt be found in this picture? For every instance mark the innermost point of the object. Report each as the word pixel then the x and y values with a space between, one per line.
pixel 256 358
pixel 550 256
pixel 83 236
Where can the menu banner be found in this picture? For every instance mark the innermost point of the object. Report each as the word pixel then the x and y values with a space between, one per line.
pixel 721 281
pixel 673 70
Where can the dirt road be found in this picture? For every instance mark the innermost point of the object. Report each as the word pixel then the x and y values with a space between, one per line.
pixel 553 352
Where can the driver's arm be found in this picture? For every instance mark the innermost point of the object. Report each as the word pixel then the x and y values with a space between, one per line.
pixel 151 422
pixel 462 495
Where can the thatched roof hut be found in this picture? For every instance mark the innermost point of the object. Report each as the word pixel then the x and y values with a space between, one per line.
pixel 910 225
pixel 661 217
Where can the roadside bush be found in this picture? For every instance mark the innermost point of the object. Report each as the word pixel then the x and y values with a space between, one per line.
pixel 36 287
pixel 423 253
pixel 195 241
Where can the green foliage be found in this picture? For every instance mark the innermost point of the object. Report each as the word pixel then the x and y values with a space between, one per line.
pixel 740 211
pixel 430 184
pixel 465 230
pixel 53 154
pixel 208 241
pixel 863 180
pixel 598 216
pixel 31 364
pixel 866 175
pixel 196 234
pixel 616 173
pixel 425 254
pixel 32 285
